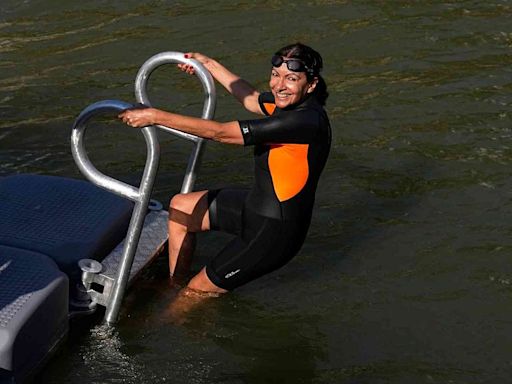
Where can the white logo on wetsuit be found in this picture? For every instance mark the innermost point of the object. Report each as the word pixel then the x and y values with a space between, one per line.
pixel 245 130
pixel 231 274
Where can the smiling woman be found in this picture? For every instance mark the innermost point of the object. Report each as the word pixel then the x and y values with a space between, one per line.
pixel 289 85
pixel 292 144
pixel 289 88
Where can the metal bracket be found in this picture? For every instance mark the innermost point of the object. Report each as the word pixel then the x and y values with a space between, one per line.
pixel 101 298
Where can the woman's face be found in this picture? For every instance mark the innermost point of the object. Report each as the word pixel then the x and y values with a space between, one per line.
pixel 289 87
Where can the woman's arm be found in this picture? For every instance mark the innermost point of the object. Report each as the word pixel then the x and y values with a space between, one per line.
pixel 244 92
pixel 228 133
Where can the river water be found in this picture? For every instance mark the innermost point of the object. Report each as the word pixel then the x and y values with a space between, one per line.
pixel 406 274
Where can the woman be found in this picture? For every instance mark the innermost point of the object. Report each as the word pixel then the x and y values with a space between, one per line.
pixel 291 146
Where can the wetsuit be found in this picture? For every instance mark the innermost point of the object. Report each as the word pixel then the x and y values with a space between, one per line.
pixel 271 219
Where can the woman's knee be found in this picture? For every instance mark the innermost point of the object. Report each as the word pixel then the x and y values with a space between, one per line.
pixel 180 202
pixel 190 210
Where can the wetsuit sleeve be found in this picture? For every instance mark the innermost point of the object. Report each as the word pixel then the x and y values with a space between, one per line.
pixel 267 103
pixel 290 127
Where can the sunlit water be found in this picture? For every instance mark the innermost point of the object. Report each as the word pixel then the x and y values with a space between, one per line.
pixel 406 275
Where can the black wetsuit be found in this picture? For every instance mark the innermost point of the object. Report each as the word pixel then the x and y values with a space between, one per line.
pixel 271 219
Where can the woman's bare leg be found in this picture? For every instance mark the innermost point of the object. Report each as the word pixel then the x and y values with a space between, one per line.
pixel 199 289
pixel 201 282
pixel 188 213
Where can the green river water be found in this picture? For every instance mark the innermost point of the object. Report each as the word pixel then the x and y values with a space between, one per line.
pixel 406 276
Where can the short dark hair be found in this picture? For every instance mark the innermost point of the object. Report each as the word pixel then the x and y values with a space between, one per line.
pixel 312 60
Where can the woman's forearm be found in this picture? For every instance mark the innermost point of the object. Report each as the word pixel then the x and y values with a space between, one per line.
pixel 223 132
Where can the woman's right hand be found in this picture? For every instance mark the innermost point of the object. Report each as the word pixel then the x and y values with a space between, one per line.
pixel 196 56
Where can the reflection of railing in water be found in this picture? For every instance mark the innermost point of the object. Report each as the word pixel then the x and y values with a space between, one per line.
pixel 113 289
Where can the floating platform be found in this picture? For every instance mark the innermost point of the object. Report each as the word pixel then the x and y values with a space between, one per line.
pixel 48 224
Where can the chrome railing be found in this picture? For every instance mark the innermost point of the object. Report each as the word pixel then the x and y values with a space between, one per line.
pixel 113 293
pixel 208 108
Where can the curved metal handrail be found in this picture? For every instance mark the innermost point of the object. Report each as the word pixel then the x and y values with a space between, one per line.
pixel 202 73
pixel 140 196
pixel 89 170
pixel 208 108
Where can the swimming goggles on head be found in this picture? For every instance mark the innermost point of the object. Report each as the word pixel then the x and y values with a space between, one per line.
pixel 294 65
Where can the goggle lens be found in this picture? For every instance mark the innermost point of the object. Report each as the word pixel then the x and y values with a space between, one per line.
pixel 294 65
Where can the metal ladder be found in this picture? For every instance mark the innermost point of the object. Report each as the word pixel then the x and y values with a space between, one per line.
pixel 146 234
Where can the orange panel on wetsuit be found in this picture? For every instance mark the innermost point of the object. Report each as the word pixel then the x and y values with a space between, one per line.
pixel 288 165
pixel 269 108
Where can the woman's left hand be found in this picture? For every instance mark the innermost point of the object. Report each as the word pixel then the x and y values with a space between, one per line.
pixel 137 117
